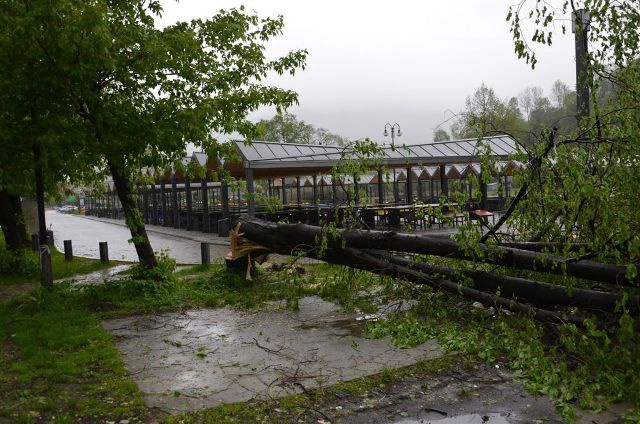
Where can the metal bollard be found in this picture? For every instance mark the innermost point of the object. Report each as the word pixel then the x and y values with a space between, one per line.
pixel 50 238
pixel 205 253
pixel 68 251
pixel 35 243
pixel 104 252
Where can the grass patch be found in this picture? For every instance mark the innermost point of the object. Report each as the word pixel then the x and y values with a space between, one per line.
pixel 57 364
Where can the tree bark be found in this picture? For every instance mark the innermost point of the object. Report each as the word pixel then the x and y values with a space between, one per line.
pixel 358 259
pixel 12 221
pixel 46 270
pixel 133 217
pixel 544 246
pixel 536 292
pixel 306 237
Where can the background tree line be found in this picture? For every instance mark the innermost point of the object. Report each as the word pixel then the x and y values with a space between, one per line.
pixel 524 115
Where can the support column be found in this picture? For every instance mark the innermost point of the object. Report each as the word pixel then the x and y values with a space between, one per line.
pixel 224 199
pixel 175 211
pixel 270 187
pixel 298 193
pixel 409 193
pixel 163 202
pixel 315 189
pixel 356 190
pixel 334 190
pixel 444 186
pixel 189 202
pixel 116 208
pixel 251 200
pixel 431 191
pixel 396 189
pixel 154 204
pixel 483 193
pixel 204 195
pixel 380 187
pixel 419 184
pixel 145 201
pixel 284 191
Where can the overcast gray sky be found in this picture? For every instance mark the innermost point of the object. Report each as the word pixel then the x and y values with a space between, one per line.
pixel 411 62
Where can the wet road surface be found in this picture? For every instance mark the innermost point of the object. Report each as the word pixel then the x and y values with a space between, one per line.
pixel 86 232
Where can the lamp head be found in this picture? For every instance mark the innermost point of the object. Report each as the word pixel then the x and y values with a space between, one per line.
pixel 386 133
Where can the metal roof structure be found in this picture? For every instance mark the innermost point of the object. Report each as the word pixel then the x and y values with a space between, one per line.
pixel 267 158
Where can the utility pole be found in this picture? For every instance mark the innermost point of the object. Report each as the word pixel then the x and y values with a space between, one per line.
pixel 580 27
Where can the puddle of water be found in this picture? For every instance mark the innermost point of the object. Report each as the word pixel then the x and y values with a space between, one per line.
pixel 100 276
pixel 344 327
pixel 457 419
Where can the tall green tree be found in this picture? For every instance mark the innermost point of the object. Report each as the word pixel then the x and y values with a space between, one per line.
pixel 485 113
pixel 142 93
pixel 441 135
pixel 285 127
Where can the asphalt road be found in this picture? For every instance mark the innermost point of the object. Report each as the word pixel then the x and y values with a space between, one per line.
pixel 85 234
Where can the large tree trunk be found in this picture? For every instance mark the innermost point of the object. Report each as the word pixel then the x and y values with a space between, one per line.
pixel 306 237
pixel 12 221
pixel 358 259
pixel 133 217
pixel 46 269
pixel 536 292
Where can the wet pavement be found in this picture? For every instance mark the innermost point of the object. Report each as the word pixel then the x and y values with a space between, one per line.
pixel 203 358
pixel 458 419
pixel 460 394
pixel 86 232
pixel 98 277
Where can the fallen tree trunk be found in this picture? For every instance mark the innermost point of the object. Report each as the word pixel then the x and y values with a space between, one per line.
pixel 292 237
pixel 536 292
pixel 358 259
pixel 544 246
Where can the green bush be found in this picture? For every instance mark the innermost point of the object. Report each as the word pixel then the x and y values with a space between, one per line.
pixel 23 264
pixel 163 272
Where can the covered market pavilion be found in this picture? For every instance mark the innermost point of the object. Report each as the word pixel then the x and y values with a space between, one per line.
pixel 300 177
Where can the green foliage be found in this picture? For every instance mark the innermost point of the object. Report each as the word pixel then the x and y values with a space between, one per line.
pixel 163 272
pixel 441 135
pixel 485 113
pixel 405 331
pixel 23 265
pixel 284 127
pixel 589 367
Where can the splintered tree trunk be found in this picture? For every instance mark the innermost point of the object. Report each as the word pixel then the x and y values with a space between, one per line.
pixel 12 221
pixel 133 217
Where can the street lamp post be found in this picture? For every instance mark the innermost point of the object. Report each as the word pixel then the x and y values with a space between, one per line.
pixel 395 129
